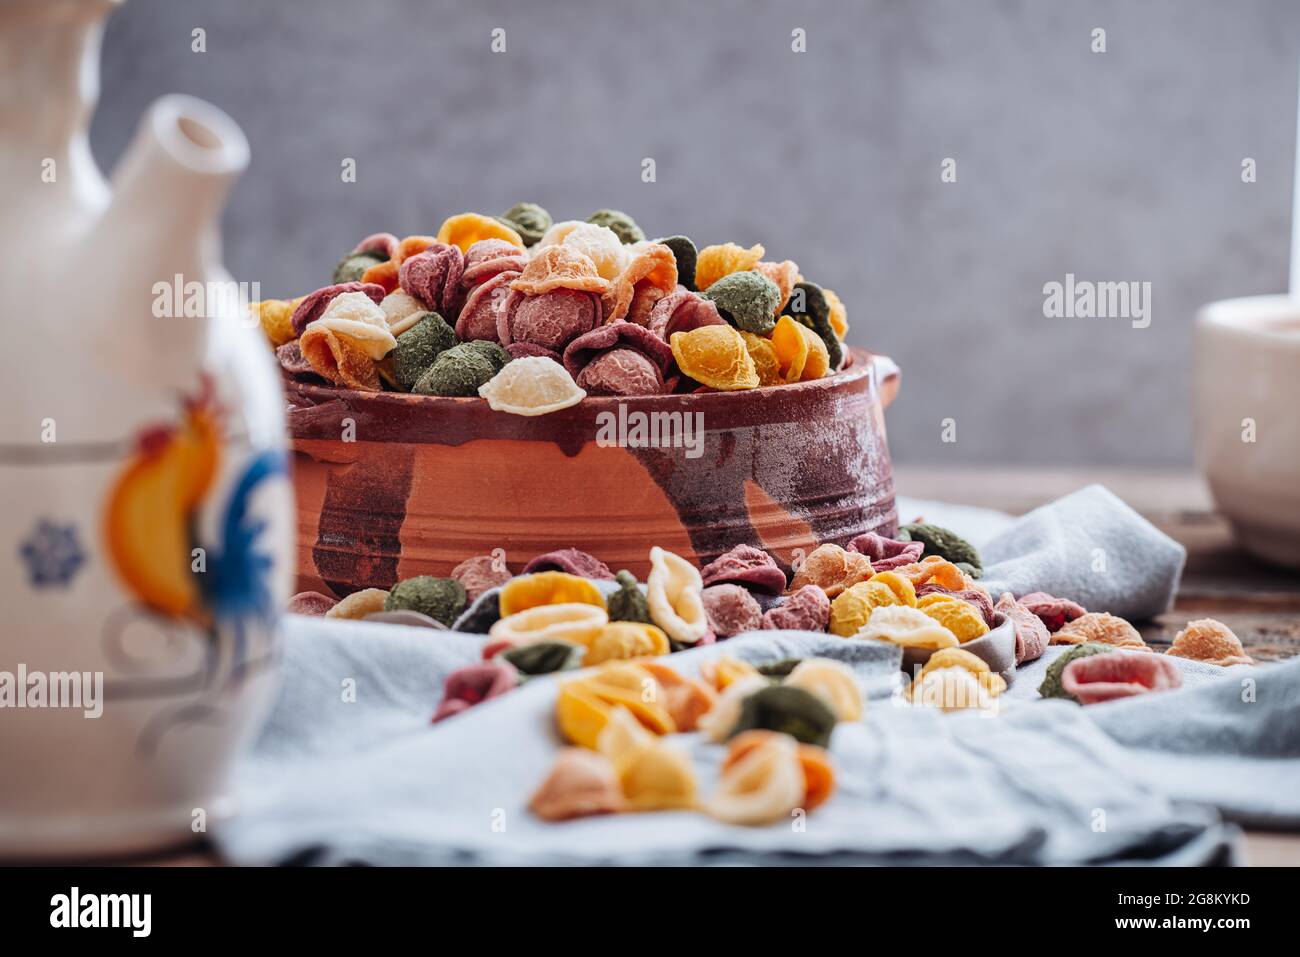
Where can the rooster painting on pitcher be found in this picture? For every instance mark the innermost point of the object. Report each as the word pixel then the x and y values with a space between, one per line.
pixel 220 586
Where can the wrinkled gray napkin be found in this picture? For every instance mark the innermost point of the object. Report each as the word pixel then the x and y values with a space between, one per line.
pixel 1089 547
pixel 1234 743
pixel 372 782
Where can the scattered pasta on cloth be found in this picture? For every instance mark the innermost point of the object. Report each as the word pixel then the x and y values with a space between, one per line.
pixel 619 701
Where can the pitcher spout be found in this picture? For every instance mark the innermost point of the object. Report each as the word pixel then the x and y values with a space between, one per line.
pixel 161 226
pixel 171 184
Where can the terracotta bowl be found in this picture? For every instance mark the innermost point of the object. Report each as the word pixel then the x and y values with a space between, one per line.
pixel 391 485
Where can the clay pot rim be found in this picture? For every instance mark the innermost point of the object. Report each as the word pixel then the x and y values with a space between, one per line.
pixel 860 365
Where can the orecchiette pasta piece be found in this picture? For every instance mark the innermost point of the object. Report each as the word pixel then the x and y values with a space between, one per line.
pixel 570 621
pixel 833 682
pixel 906 626
pixel 764 784
pixel 580 783
pixel 674 593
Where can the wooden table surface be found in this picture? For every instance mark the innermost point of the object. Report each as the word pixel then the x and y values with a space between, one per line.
pixel 1260 603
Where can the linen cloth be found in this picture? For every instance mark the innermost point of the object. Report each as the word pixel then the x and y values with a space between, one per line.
pixel 1088 546
pixel 369 780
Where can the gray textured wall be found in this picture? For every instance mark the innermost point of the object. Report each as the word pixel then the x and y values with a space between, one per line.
pixel 1115 166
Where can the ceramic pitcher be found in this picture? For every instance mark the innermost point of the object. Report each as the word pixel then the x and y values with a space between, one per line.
pixel 145 538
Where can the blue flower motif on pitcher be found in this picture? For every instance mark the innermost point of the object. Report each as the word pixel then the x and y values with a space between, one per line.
pixel 53 554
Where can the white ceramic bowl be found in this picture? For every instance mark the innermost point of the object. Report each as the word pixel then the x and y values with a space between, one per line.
pixel 1247 419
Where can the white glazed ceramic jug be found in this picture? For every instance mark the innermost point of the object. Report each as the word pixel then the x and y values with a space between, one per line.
pixel 145 536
